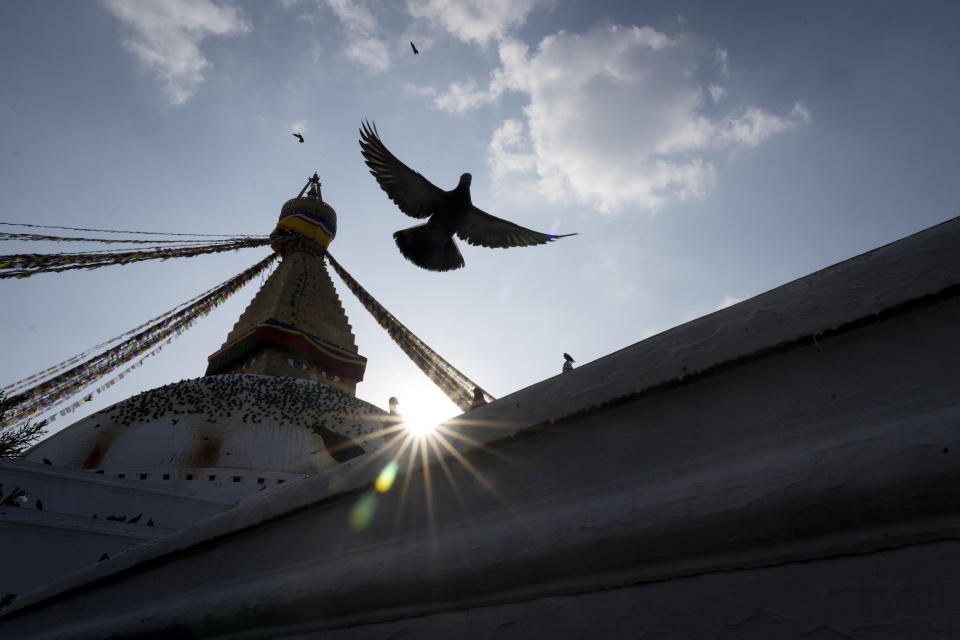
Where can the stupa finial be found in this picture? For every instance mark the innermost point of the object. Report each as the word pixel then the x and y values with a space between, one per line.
pixel 313 183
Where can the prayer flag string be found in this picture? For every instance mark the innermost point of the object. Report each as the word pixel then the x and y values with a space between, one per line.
pixel 68 385
pixel 28 264
pixel 458 387
pixel 141 233
pixel 33 237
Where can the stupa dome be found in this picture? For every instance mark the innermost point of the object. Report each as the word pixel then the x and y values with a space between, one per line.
pixel 311 217
pixel 242 425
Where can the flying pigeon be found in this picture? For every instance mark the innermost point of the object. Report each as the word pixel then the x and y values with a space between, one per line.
pixel 431 245
pixel 415 51
pixel 298 137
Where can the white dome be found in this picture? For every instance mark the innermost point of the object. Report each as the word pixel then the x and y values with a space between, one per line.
pixel 234 422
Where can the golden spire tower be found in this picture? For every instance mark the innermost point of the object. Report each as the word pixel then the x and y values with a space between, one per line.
pixel 295 326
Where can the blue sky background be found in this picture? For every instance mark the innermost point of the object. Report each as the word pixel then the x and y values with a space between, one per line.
pixel 705 152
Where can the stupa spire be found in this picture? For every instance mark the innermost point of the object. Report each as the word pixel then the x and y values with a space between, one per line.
pixel 295 326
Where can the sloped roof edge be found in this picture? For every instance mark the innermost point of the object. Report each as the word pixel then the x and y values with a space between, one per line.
pixel 919 267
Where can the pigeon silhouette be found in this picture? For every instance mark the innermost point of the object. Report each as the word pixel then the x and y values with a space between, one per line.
pixel 340 447
pixel 414 47
pixel 431 245
pixel 47 462
pixel 298 137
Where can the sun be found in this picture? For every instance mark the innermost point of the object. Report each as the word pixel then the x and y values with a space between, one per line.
pixel 418 428
pixel 423 412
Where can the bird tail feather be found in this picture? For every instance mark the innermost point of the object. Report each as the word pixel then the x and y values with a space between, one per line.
pixel 428 250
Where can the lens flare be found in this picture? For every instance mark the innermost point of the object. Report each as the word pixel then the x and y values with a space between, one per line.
pixel 362 512
pixel 386 477
pixel 419 428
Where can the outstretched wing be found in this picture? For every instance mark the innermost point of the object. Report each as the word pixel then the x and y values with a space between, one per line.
pixel 481 228
pixel 415 195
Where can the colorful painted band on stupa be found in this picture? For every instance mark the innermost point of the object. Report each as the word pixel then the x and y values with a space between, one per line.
pixel 309 226
pixel 332 358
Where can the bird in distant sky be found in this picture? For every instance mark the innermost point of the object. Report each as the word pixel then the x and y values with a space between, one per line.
pixel 298 137
pixel 567 362
pixel 431 245
pixel 415 51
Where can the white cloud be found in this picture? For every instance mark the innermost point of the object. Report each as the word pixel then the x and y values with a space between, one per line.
pixel 462 96
pixel 166 36
pixel 356 17
pixel 507 150
pixel 728 301
pixel 369 52
pixel 721 59
pixel 473 20
pixel 363 44
pixel 755 125
pixel 615 117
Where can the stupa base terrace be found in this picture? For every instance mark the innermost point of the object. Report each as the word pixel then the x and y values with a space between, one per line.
pixel 167 459
pixel 782 468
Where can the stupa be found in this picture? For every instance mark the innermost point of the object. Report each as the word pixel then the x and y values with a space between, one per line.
pixel 296 326
pixel 276 405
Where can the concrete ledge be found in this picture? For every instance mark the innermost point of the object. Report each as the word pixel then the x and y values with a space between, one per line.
pixel 817 421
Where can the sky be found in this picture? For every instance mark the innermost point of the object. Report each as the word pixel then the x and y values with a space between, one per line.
pixel 704 152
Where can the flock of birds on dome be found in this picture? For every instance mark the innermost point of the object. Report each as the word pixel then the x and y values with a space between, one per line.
pixel 253 399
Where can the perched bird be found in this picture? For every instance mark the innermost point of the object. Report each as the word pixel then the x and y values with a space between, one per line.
pixel 103 557
pixel 39 505
pixel 47 461
pixel 478 399
pixel 393 406
pixel 100 471
pixel 567 362
pixel 431 245
pixel 150 522
pixel 340 447
pixel 135 518
pixel 298 136
pixel 414 47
